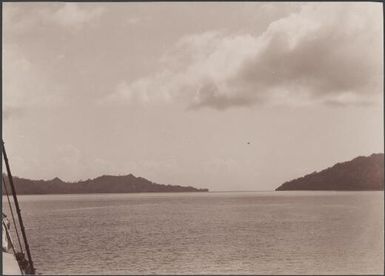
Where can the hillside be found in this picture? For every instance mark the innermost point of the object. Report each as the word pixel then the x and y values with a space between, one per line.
pixel 359 174
pixel 103 184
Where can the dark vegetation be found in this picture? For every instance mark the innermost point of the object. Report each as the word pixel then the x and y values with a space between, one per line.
pixel 359 174
pixel 103 184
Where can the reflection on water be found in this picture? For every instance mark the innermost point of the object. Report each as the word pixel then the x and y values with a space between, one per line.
pixel 207 233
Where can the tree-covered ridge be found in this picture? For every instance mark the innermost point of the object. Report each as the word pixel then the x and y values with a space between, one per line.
pixel 359 174
pixel 103 184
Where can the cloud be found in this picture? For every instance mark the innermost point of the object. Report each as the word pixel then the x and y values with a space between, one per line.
pixel 22 18
pixel 134 20
pixel 28 80
pixel 75 15
pixel 10 112
pixel 69 155
pixel 25 84
pixel 326 53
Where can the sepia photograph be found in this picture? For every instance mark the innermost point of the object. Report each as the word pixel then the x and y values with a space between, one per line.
pixel 192 138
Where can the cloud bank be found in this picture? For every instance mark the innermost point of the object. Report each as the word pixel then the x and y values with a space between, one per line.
pixel 326 53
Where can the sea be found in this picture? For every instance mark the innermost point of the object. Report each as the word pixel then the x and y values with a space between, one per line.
pixel 286 232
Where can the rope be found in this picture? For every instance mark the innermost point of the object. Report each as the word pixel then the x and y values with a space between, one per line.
pixel 13 217
pixel 13 248
pixel 30 267
pixel 9 238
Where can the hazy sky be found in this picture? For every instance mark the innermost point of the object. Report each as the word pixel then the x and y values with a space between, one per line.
pixel 228 96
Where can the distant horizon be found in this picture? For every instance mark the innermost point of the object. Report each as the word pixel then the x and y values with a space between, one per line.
pixel 181 184
pixel 127 174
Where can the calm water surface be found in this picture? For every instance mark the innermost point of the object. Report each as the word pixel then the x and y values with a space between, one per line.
pixel 207 233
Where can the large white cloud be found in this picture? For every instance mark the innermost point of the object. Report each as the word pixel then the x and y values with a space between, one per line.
pixel 328 53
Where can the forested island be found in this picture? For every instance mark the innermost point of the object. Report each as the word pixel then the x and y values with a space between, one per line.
pixel 103 184
pixel 359 174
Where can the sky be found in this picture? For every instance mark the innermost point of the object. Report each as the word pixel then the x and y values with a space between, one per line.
pixel 223 95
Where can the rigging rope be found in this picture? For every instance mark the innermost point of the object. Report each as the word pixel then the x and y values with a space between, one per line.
pixel 9 238
pixel 13 217
pixel 28 264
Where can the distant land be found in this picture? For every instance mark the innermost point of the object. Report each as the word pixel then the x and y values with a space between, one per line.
pixel 359 174
pixel 103 184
